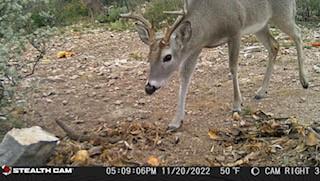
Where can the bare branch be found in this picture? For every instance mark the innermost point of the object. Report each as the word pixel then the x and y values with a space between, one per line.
pixel 71 133
pixel 42 49
pixel 81 137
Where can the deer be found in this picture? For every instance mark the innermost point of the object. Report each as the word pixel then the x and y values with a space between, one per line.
pixel 209 24
pixel 94 7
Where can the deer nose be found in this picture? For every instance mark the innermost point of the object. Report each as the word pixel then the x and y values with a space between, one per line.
pixel 150 89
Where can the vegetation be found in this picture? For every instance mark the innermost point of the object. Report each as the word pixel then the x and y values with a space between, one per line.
pixel 66 12
pixel 14 38
pixel 308 10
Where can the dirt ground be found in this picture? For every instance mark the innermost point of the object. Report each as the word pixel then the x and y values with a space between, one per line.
pixel 102 86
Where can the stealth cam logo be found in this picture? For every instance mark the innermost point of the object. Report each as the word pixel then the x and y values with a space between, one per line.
pixel 6 170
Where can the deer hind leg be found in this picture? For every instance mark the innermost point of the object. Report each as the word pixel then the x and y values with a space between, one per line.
pixel 294 32
pixel 234 48
pixel 265 37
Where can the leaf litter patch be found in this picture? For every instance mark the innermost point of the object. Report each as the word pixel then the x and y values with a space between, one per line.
pixel 260 140
pixel 124 144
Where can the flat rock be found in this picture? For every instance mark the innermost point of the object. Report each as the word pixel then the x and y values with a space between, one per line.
pixel 27 147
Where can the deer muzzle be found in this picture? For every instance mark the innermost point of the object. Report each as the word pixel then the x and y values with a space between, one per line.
pixel 150 89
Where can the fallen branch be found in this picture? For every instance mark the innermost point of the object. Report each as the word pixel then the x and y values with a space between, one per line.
pixel 71 133
pixel 81 137
pixel 245 160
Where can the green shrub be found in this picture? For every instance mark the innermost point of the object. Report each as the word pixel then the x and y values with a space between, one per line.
pixel 17 29
pixel 68 12
pixel 154 11
pixel 112 16
pixel 308 10
pixel 57 12
pixel 43 18
pixel 119 26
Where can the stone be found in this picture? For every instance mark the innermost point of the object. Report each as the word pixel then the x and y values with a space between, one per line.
pixel 27 147
pixel 118 102
pixel 74 77
pixel 317 68
pixel 252 49
pixel 65 102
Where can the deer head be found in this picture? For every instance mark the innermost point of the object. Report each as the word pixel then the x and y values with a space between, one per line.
pixel 166 51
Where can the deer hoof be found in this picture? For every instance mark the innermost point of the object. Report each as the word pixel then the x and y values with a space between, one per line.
pixel 305 84
pixel 236 110
pixel 261 94
pixel 173 127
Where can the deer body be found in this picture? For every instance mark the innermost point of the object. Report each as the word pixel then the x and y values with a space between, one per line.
pixel 211 23
pixel 94 7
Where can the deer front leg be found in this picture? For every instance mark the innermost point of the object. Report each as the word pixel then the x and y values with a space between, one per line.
pixel 186 71
pixel 234 48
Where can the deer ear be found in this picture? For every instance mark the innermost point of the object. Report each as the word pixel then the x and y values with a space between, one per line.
pixel 184 32
pixel 143 33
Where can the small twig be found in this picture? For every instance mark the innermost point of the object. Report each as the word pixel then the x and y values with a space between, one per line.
pixel 314 132
pixel 157 138
pixel 42 49
pixel 281 118
pixel 36 62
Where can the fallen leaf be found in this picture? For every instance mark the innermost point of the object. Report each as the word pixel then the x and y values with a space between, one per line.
pixel 153 161
pixel 213 134
pixel 220 158
pixel 312 139
pixel 245 160
pixel 135 132
pixel 81 157
pixel 315 44
pixel 65 54
pixel 300 148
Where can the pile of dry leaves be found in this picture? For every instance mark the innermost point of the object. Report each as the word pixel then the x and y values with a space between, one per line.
pixel 257 139
pixel 261 140
pixel 120 145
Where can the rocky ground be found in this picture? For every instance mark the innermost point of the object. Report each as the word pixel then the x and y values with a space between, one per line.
pixel 100 90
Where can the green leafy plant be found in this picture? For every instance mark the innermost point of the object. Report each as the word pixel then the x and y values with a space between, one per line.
pixel 17 30
pixel 155 9
pixel 308 10
pixel 112 16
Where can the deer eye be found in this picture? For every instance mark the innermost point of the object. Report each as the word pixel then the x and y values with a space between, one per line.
pixel 167 58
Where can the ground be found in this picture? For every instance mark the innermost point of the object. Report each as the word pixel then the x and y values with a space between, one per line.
pixel 102 86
